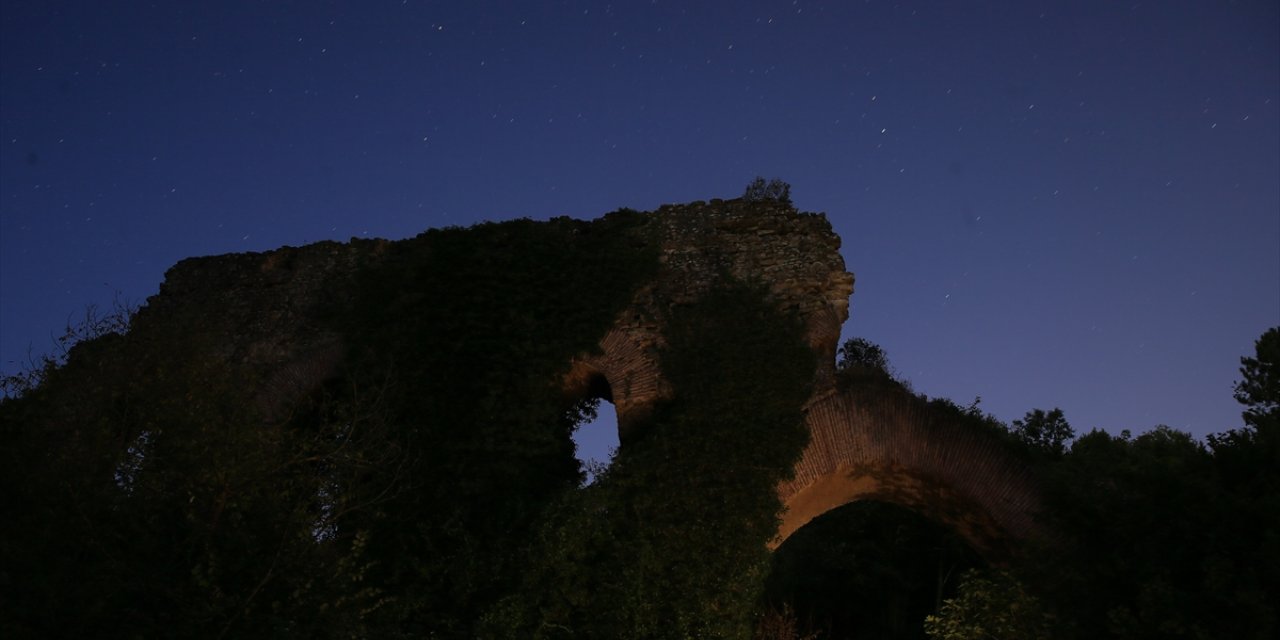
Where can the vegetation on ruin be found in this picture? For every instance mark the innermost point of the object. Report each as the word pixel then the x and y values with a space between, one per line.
pixel 670 541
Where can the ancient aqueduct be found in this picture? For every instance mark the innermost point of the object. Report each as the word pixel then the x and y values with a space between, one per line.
pixel 863 446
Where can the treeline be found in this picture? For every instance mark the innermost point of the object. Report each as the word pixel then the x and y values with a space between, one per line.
pixel 1160 535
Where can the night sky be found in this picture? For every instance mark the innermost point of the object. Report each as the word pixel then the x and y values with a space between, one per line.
pixel 1071 204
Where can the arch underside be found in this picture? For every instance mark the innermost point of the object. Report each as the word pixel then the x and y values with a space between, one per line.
pixel 895 448
pixel 897 485
pixel 625 372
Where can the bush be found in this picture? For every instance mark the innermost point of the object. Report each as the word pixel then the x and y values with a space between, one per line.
pixel 772 189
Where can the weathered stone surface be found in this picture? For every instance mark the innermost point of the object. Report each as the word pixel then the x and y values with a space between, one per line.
pixel 270 313
pixel 795 254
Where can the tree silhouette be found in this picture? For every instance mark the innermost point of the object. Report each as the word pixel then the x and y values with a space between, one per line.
pixel 1048 432
pixel 1260 388
pixel 772 189
pixel 859 358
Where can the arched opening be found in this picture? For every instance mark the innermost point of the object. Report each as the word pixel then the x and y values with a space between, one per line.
pixel 867 569
pixel 596 440
pixel 595 437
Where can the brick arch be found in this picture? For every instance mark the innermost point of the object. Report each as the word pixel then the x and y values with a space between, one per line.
pixel 626 368
pixel 894 448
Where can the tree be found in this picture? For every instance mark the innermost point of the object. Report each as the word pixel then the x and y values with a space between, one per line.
pixel 1045 432
pixel 862 356
pixel 1248 459
pixel 1149 540
pixel 1260 388
pixel 94 324
pixel 772 189
pixel 992 606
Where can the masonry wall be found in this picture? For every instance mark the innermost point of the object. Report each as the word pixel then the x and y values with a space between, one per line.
pixel 796 255
pixel 272 313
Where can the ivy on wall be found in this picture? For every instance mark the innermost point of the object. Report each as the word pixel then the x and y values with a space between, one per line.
pixel 430 488
pixel 670 541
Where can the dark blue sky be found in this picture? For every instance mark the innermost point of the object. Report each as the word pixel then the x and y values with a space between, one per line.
pixel 1070 204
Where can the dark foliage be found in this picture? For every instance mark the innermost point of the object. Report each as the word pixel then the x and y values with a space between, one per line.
pixel 167 508
pixel 94 324
pixel 1259 390
pixel 145 497
pixel 670 541
pixel 1047 433
pixel 1159 543
pixel 1168 537
pixel 991 605
pixel 484 321
pixel 861 358
pixel 772 189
